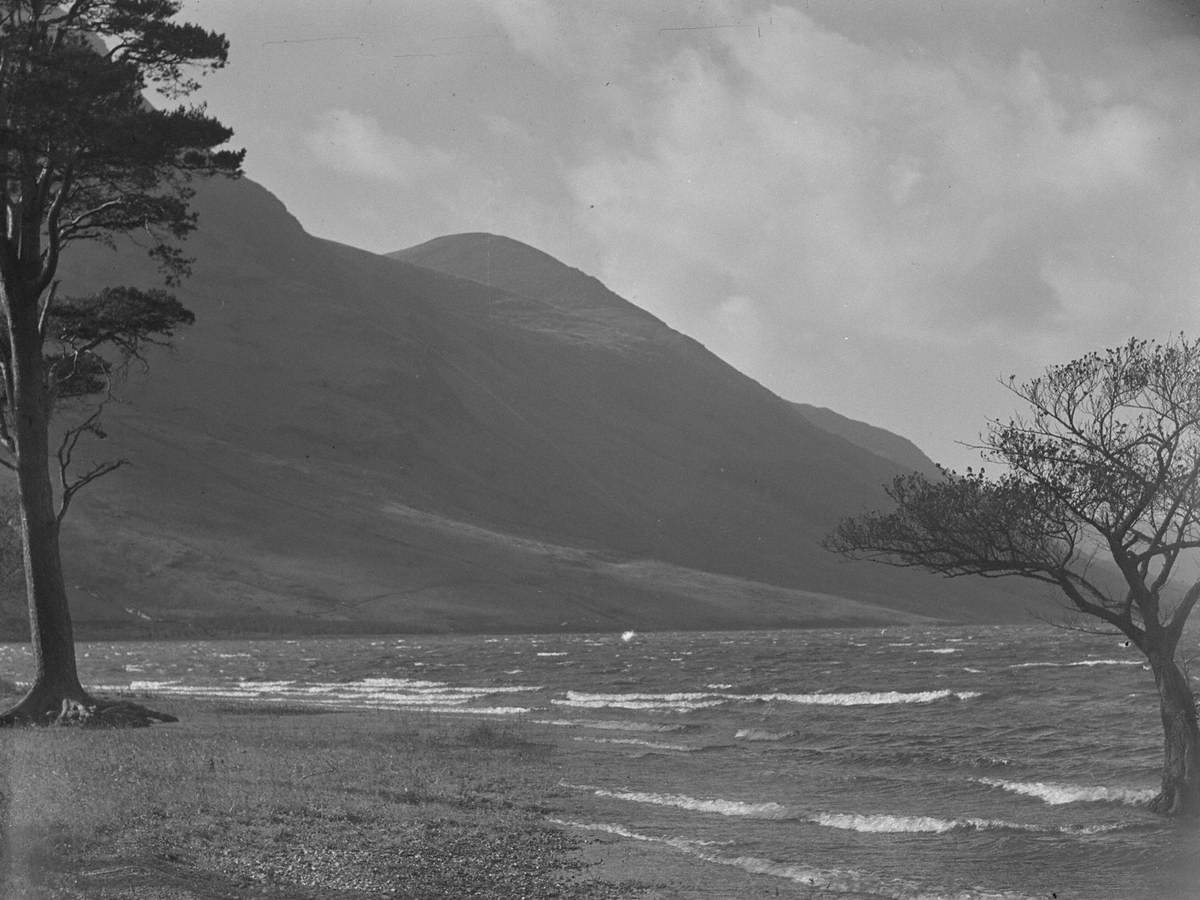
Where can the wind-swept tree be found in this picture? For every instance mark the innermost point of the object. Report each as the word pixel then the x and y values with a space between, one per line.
pixel 1105 462
pixel 85 156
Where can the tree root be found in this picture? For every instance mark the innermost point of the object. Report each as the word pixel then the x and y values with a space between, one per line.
pixel 85 712
pixel 1175 804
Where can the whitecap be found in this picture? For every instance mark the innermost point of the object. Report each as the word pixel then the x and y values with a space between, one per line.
pixel 761 734
pixel 943 650
pixel 883 823
pixel 679 702
pixel 836 881
pixel 1072 665
pixel 715 805
pixel 867 698
pixel 367 693
pixel 1057 794
pixel 637 742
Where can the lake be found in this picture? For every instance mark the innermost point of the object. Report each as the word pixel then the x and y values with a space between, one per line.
pixel 969 762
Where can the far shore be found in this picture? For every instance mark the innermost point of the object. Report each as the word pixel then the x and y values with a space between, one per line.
pixel 87 634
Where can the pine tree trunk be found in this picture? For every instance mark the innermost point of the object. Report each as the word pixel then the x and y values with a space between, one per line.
pixel 56 688
pixel 1180 794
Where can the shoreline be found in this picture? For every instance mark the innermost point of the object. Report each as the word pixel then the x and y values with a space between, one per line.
pixel 236 800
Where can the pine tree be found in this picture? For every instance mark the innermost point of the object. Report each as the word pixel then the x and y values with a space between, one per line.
pixel 86 155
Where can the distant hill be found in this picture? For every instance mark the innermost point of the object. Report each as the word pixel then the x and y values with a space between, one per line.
pixel 469 437
pixel 899 450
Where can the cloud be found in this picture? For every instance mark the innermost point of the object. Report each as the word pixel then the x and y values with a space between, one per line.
pixel 358 145
pixel 834 179
pixel 873 206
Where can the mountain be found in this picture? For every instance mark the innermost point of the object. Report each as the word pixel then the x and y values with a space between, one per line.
pixel 470 437
pixel 899 450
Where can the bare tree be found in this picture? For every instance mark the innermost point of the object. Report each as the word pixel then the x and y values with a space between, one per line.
pixel 1105 461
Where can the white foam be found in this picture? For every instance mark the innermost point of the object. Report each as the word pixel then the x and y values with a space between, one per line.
pixel 637 742
pixel 678 702
pixel 943 650
pixel 833 881
pixel 622 831
pixel 884 824
pixel 367 693
pixel 893 824
pixel 1057 794
pixel 761 734
pixel 868 698
pixel 717 805
pixel 1072 665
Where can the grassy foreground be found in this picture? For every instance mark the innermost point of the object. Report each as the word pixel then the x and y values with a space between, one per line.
pixel 257 801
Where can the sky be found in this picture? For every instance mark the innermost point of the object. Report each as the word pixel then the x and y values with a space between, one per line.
pixel 885 207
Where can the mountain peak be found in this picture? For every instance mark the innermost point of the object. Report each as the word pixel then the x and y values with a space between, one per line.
pixel 481 256
pixel 563 296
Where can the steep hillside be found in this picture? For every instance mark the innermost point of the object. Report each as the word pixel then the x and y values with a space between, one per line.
pixel 899 450
pixel 346 441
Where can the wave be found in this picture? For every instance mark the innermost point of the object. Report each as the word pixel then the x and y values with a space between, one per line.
pixel 613 725
pixel 833 881
pixel 637 742
pixel 1057 794
pixel 686 701
pixel 893 824
pixel 1078 663
pixel 718 806
pixel 366 693
pixel 869 698
pixel 871 823
pixel 677 702
pixel 761 734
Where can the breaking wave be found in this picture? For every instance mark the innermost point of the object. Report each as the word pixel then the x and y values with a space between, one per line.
pixel 690 700
pixel 681 801
pixel 637 742
pixel 868 698
pixel 373 693
pixel 891 824
pixel 1072 665
pixel 1057 794
pixel 761 734
pixel 828 881
pixel 677 702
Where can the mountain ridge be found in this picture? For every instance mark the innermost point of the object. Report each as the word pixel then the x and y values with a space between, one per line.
pixel 345 441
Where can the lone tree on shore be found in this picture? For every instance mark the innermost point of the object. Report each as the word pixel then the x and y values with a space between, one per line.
pixel 1105 462
pixel 84 156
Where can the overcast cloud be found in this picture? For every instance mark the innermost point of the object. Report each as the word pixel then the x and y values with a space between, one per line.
pixel 878 207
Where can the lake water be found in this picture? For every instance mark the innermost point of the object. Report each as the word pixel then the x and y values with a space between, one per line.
pixel 975 762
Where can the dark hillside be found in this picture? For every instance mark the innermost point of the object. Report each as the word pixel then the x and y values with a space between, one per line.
pixel 347 441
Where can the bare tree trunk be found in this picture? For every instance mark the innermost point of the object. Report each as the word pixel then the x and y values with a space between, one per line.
pixel 56 688
pixel 1180 794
